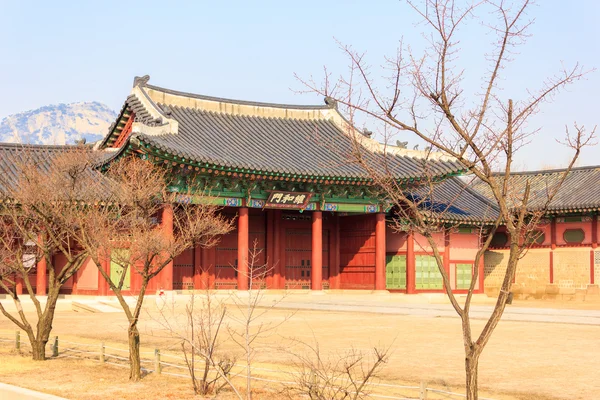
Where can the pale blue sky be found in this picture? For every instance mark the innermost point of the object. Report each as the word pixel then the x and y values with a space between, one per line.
pixel 66 51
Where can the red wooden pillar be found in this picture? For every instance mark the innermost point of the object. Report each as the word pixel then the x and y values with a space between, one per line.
pixel 278 256
pixel 481 267
pixel 167 227
pixel 380 251
pixel 334 254
pixel 208 268
pixel 553 233
pixel 552 247
pixel 446 259
pixel 105 266
pixel 198 268
pixel 410 264
pixel 551 266
pixel 594 246
pixel 591 267
pixel 242 266
pixel 270 279
pixel 19 285
pixel 316 273
pixel 41 279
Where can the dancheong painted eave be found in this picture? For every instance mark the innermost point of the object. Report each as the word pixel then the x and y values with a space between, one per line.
pixel 262 139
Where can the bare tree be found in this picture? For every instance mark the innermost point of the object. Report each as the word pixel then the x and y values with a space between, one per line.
pixel 248 323
pixel 425 95
pixel 40 202
pixel 200 331
pixel 125 230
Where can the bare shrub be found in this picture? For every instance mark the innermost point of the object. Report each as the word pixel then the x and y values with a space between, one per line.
pixel 338 376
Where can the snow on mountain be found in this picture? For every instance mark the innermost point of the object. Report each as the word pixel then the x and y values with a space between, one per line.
pixel 58 124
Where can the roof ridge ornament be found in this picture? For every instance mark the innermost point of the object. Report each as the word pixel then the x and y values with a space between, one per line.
pixel 331 102
pixel 141 80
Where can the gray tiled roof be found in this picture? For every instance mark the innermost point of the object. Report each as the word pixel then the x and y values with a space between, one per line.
pixel 452 200
pixel 12 155
pixel 579 192
pixel 279 145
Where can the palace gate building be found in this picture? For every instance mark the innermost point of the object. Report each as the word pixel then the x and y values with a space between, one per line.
pixel 286 174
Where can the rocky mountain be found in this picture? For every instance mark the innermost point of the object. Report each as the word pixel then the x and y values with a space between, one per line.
pixel 58 124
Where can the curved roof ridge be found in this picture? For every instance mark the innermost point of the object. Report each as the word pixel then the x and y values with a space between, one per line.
pixel 235 101
pixel 38 146
pixel 550 171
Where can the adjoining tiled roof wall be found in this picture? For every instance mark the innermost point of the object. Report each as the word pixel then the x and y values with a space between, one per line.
pixel 579 192
pixel 303 147
pixel 452 200
pixel 41 156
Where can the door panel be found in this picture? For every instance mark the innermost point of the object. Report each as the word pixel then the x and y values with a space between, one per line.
pixel 183 270
pixel 396 272
pixel 298 244
pixel 427 274
pixel 298 258
pixel 464 272
pixel 226 261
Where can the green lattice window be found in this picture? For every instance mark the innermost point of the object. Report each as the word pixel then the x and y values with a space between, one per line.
pixel 464 273
pixel 574 235
pixel 427 274
pixel 395 272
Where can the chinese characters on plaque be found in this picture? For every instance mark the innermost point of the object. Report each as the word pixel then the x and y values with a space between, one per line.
pixel 296 200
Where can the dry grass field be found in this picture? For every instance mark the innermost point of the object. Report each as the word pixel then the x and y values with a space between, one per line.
pixel 522 361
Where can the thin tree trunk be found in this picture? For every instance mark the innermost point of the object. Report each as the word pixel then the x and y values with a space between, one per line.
pixel 134 354
pixel 471 369
pixel 39 340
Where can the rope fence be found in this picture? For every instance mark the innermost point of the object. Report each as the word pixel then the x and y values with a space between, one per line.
pixel 102 353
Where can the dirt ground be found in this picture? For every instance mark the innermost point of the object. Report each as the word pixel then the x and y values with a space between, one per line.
pixel 522 361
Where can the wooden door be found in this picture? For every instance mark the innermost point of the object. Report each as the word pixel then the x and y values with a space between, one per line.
pixel 183 270
pixel 298 258
pixel 226 261
pixel 298 244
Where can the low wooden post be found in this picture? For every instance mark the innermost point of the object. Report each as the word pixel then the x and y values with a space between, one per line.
pixel 102 349
pixel 17 340
pixel 423 391
pixel 157 361
pixel 55 347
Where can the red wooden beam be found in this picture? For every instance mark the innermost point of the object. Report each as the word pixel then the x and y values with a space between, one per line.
pixel 124 132
pixel 316 274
